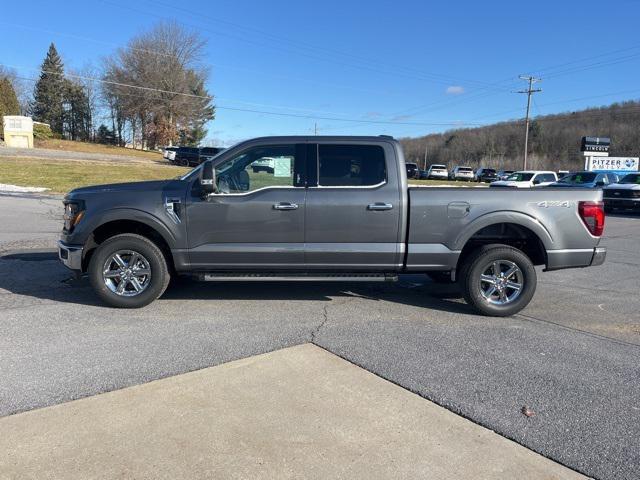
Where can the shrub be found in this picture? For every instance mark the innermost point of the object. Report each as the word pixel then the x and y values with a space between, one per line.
pixel 42 131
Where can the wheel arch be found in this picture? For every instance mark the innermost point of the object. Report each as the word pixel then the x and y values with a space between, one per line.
pixel 155 231
pixel 517 230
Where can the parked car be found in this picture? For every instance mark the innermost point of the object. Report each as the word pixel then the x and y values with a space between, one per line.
pixel 315 219
pixel 263 165
pixel 503 174
pixel 423 174
pixel 586 180
pixel 461 173
pixel 207 153
pixel 486 175
pixel 437 172
pixel 169 153
pixel 187 156
pixel 527 179
pixel 412 170
pixel 623 195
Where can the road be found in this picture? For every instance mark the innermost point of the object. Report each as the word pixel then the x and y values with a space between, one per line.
pixel 571 356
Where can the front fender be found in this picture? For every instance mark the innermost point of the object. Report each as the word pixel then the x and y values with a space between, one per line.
pixel 94 220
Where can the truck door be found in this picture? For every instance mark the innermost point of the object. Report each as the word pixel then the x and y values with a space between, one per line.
pixel 353 208
pixel 256 220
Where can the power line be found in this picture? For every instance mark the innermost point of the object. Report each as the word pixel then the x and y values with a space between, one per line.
pixel 264 112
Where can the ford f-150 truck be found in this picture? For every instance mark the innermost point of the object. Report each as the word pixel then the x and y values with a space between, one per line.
pixel 331 208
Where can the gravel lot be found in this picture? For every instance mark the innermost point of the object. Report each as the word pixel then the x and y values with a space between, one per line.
pixel 572 356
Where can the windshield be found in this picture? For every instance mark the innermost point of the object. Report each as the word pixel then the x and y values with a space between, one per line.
pixel 631 178
pixel 579 178
pixel 465 169
pixel 488 170
pixel 520 177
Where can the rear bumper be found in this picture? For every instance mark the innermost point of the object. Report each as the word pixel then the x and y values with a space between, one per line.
pixel 70 255
pixel 630 203
pixel 575 258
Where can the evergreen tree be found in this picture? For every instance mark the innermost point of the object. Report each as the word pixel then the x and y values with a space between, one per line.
pixel 8 101
pixel 49 92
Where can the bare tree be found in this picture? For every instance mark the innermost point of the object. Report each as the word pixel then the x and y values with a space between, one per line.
pixel 158 84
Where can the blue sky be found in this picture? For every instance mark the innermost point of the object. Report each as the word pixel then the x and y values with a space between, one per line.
pixel 421 66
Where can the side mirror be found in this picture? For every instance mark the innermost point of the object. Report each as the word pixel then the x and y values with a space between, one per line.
pixel 600 183
pixel 208 178
pixel 536 182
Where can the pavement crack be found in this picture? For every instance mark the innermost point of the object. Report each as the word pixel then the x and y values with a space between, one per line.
pixel 325 318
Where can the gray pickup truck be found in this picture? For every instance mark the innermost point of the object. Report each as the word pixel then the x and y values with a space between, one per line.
pixel 329 209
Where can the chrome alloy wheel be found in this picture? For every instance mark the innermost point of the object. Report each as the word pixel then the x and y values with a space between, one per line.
pixel 501 282
pixel 126 273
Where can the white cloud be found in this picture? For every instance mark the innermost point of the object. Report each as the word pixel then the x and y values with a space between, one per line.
pixel 454 90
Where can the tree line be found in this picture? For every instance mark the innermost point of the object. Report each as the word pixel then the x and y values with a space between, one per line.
pixel 150 93
pixel 554 140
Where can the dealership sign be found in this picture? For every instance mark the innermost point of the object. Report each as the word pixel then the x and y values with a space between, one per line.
pixel 626 164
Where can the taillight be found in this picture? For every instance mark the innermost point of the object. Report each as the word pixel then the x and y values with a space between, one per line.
pixel 592 214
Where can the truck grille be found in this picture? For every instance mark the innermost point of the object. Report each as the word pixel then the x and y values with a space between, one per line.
pixel 612 193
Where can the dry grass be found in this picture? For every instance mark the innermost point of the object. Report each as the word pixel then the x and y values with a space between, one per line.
pixel 71 146
pixel 60 176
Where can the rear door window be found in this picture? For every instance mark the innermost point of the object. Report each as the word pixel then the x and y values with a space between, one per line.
pixel 351 165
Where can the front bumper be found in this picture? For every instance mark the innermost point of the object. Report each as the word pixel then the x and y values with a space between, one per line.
pixel 70 255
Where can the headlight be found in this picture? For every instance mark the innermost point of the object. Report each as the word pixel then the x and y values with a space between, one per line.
pixel 73 213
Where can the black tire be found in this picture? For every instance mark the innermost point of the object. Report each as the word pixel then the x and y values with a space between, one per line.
pixel 158 277
pixel 477 263
pixel 440 277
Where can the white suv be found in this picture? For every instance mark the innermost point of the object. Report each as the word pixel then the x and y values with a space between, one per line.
pixel 527 179
pixel 462 173
pixel 437 172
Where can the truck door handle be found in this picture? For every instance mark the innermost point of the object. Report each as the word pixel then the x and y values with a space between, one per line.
pixel 285 206
pixel 379 206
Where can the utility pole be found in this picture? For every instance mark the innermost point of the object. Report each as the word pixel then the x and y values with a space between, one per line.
pixel 315 128
pixel 528 91
pixel 425 155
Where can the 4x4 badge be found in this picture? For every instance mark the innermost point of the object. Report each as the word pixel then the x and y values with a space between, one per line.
pixel 548 204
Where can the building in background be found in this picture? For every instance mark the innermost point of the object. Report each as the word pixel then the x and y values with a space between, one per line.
pixel 18 131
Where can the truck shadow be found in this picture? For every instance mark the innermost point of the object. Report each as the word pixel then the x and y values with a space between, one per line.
pixel 39 275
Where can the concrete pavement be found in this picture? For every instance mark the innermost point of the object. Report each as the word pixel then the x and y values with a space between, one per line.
pixel 295 413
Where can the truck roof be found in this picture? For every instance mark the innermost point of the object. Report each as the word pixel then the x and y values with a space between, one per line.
pixel 311 138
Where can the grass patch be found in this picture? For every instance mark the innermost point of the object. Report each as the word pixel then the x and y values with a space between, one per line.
pixel 84 147
pixel 60 176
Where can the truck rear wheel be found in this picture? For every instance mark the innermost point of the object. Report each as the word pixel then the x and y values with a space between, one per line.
pixel 498 280
pixel 128 271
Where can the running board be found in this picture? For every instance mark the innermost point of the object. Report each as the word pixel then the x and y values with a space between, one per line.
pixel 298 277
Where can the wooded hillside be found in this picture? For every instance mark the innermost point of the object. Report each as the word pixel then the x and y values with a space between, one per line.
pixel 554 140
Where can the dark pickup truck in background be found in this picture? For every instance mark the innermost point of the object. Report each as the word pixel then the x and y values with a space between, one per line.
pixel 194 156
pixel 333 208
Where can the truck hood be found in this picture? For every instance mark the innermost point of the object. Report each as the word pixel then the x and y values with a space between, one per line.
pixel 505 183
pixel 148 186
pixel 623 186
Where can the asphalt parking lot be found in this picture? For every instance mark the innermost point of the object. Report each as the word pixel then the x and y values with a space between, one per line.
pixel 571 356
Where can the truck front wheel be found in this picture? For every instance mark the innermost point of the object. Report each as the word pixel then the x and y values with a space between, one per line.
pixel 498 280
pixel 128 271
